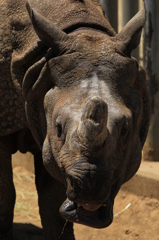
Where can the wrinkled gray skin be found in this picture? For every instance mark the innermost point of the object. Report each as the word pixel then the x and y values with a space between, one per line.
pixel 73 96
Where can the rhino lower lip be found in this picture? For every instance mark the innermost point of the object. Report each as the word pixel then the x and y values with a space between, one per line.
pixel 97 216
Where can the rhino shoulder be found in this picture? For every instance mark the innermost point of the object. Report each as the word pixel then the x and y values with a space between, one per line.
pixel 12 116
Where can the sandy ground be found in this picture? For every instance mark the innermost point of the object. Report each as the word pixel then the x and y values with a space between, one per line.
pixel 134 217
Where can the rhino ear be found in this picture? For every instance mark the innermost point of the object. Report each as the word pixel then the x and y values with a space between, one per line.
pixel 129 38
pixel 36 83
pixel 48 33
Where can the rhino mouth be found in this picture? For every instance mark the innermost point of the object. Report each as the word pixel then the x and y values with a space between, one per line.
pixel 96 216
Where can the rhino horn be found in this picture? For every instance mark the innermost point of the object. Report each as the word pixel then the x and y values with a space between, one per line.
pixel 49 34
pixel 92 128
pixel 129 37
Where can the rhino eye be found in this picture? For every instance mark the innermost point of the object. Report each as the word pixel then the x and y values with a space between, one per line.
pixel 124 130
pixel 59 129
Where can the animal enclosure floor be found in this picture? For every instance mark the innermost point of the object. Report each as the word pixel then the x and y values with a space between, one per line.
pixel 135 217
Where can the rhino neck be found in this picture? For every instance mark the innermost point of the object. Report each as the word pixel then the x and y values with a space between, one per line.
pixel 68 15
pixel 75 26
pixel 86 13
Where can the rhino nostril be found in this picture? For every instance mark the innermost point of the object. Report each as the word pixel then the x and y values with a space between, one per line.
pixel 74 187
pixel 59 130
pixel 70 184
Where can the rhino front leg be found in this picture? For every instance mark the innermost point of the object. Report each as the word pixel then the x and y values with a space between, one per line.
pixel 51 195
pixel 7 191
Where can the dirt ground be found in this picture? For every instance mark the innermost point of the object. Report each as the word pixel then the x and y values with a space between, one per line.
pixel 134 217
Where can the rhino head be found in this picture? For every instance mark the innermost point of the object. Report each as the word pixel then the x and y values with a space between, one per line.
pixel 87 107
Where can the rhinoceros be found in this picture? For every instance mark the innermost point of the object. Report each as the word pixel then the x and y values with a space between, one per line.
pixel 71 94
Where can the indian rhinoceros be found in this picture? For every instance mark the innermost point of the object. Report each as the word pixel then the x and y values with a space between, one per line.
pixel 71 94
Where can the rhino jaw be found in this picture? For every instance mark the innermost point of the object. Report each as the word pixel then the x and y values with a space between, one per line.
pixel 96 216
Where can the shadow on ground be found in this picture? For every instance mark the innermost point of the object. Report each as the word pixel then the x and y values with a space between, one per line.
pixel 23 231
